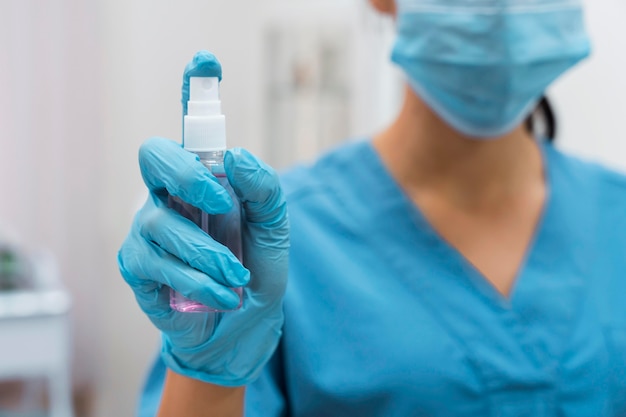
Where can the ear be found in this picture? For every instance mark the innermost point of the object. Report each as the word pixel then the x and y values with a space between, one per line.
pixel 384 6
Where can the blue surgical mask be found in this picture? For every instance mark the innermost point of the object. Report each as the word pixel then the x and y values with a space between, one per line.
pixel 482 65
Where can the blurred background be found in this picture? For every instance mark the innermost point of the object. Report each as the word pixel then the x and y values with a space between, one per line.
pixel 83 83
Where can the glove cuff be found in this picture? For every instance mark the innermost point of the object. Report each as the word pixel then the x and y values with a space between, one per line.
pixel 232 372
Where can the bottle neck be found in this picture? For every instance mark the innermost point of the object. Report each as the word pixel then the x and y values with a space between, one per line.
pixel 212 158
pixel 214 161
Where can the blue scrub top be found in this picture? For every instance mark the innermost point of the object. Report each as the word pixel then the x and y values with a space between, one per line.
pixel 385 318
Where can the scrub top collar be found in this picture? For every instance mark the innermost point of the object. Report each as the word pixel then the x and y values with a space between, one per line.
pixel 557 219
pixel 492 328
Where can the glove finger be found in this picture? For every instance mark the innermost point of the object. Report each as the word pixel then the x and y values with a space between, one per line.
pixel 147 267
pixel 184 240
pixel 258 187
pixel 203 64
pixel 266 232
pixel 166 166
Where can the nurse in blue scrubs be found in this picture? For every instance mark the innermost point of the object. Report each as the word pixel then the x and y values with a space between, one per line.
pixel 455 264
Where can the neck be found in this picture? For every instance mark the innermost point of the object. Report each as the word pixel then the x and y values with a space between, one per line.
pixel 424 154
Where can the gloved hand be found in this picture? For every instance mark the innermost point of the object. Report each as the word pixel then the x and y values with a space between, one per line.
pixel 164 249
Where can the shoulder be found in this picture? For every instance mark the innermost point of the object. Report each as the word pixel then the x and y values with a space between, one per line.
pixel 306 182
pixel 579 170
pixel 600 189
pixel 327 199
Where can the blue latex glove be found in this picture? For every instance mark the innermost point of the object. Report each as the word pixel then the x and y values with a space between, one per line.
pixel 165 250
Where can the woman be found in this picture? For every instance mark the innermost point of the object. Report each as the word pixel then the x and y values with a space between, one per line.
pixel 450 266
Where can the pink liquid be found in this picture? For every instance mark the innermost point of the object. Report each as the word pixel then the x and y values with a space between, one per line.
pixel 183 304
pixel 224 228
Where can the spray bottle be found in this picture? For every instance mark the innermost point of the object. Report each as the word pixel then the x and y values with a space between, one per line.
pixel 204 134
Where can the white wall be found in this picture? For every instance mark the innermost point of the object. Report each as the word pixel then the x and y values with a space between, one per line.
pixel 84 83
pixel 591 100
pixel 50 148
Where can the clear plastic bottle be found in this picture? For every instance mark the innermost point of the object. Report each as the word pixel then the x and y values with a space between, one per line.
pixel 204 135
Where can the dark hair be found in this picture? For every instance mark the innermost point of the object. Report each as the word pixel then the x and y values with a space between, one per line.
pixel 542 122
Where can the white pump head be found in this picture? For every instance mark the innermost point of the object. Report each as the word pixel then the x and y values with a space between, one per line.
pixel 204 124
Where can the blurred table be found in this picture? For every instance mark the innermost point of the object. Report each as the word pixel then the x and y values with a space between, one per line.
pixel 35 337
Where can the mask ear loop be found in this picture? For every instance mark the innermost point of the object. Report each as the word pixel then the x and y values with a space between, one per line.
pixel 541 123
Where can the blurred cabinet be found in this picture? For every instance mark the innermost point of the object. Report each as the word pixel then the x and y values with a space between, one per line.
pixel 35 336
pixel 328 77
pixel 308 92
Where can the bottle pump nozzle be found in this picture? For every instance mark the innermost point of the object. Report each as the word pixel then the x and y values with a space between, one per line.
pixel 204 124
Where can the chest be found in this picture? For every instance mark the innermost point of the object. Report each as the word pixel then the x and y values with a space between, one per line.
pixel 378 329
pixel 495 239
